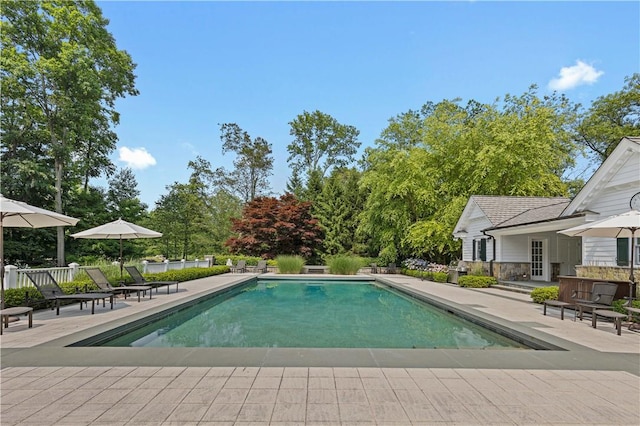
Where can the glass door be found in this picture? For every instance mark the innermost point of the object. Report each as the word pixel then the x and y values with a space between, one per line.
pixel 537 260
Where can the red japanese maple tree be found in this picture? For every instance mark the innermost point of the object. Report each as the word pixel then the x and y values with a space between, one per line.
pixel 271 226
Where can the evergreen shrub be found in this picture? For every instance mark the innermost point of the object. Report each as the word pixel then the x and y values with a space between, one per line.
pixel 540 294
pixel 476 281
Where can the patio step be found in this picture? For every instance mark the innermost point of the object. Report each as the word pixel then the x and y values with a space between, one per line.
pixel 513 288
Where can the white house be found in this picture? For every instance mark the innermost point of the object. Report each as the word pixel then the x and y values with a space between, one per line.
pixel 516 238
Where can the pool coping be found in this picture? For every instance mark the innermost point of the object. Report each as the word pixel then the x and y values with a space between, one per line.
pixel 572 356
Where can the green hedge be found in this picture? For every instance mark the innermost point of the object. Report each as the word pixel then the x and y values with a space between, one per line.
pixel 18 296
pixel 540 294
pixel 618 306
pixel 476 281
pixel 439 277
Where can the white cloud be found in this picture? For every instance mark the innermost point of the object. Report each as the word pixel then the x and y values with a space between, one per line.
pixel 577 75
pixel 189 147
pixel 136 158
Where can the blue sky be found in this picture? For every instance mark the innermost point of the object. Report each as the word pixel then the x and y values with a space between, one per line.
pixel 260 64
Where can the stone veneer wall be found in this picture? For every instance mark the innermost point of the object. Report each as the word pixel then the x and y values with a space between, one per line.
pixel 613 273
pixel 512 271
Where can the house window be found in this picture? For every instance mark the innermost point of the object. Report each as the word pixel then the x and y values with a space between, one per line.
pixel 622 252
pixel 480 249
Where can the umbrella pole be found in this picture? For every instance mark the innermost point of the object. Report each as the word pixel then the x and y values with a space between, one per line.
pixel 121 258
pixel 632 282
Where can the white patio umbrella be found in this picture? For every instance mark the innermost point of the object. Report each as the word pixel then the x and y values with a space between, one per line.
pixel 16 214
pixel 118 230
pixel 624 225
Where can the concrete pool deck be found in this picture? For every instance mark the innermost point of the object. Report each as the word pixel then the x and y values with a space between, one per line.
pixel 595 380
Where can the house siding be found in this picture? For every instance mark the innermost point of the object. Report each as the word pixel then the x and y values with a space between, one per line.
pixel 474 232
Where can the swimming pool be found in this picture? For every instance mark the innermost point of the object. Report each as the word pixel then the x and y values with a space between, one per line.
pixel 313 314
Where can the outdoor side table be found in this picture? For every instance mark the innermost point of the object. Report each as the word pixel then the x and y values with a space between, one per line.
pixel 557 304
pixel 617 318
pixel 18 310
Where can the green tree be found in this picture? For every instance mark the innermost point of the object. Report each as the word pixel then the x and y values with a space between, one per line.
pixel 337 209
pixel 521 146
pixel 610 118
pixel 123 197
pixel 252 166
pixel 320 143
pixel 63 73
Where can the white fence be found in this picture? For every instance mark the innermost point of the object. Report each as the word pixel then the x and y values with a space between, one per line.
pixel 16 278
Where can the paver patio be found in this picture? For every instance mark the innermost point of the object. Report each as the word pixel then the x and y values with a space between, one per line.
pixel 597 381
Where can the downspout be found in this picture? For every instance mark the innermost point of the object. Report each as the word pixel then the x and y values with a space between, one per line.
pixel 493 251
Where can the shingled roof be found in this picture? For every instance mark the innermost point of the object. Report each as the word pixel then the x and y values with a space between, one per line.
pixel 510 211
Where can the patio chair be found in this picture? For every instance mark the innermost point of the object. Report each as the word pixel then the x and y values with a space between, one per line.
pixel 391 268
pixel 100 279
pixel 140 280
pixel 51 291
pixel 261 267
pixel 241 266
pixel 600 297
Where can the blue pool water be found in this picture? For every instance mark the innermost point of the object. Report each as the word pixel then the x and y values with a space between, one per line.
pixel 318 314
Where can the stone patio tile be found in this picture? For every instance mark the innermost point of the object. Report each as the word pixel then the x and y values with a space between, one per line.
pixel 200 396
pixel 323 413
pixel 85 413
pixel 381 396
pixel 389 413
pixel 140 396
pixel 120 413
pixel 473 398
pixel 46 397
pixel 289 412
pixel 295 372
pixel 188 413
pixel 356 413
pixel 170 396
pixel 110 396
pixel 44 382
pixel 293 396
pixel 239 382
pixel 154 412
pixel 294 383
pixel 118 371
pixel 395 372
pixel 255 413
pixel 231 396
pixel 525 415
pixel 321 383
pixel 184 382
pixel 420 373
pixel 406 396
pixel 261 396
pixel 17 396
pixel 245 372
pixel 156 383
pixel 345 372
pixel 451 411
pixel 370 372
pixel 222 412
pixel 144 371
pixel 375 383
pixel 100 382
pixel 424 412
pixel 490 414
pixel 352 396
pixel 50 414
pixel 128 382
pixel 169 372
pixel 322 396
pixel 73 382
pixel 211 382
pixel 195 372
pixel 348 383
pixel 402 383
pixel 92 371
pixel 446 373
pixel 14 414
pixel 20 382
pixel 268 382
pixel 221 371
pixel 271 372
pixel 10 372
pixel 320 372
